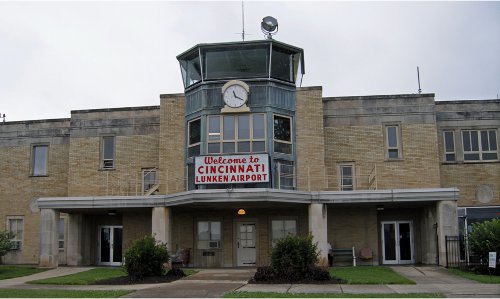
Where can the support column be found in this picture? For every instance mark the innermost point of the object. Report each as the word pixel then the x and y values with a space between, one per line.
pixel 161 225
pixel 75 235
pixel 447 222
pixel 318 229
pixel 49 238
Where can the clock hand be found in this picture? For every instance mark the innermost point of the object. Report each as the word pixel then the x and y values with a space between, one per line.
pixel 234 93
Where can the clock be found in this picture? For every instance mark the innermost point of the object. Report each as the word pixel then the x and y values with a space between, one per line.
pixel 235 93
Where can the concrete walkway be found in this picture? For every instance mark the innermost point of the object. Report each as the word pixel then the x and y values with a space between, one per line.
pixel 213 283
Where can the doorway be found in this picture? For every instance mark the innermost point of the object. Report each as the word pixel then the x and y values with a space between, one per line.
pixel 397 242
pixel 109 245
pixel 245 244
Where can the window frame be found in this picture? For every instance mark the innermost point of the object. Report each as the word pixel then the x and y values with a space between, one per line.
pixel 274 240
pixel 480 152
pixel 445 150
pixel 33 159
pixel 16 239
pixel 399 142
pixel 279 163
pixel 102 159
pixel 275 140
pixel 205 244
pixel 341 185
pixel 143 176
pixel 236 138
pixel 196 144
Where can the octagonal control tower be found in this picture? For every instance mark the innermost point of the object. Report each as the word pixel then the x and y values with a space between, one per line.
pixel 240 114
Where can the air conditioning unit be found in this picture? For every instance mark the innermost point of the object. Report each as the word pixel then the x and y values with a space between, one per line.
pixel 16 245
pixel 213 244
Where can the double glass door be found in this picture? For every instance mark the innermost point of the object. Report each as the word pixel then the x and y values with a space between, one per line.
pixel 110 245
pixel 397 242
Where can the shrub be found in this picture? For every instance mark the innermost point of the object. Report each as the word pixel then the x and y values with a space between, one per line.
pixel 176 272
pixel 264 274
pixel 294 256
pixel 5 242
pixel 485 237
pixel 318 274
pixel 146 257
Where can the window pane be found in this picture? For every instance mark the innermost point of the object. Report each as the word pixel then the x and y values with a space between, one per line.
pixel 215 230
pixel 61 229
pixel 393 153
pixel 493 140
pixel 228 147
pixel 243 127
pixel 474 140
pixel 228 127
pixel 194 151
pixel 40 160
pixel 490 156
pixel 450 157
pixel 214 148
pixel 258 146
pixel 194 132
pixel 203 232
pixel 392 140
pixel 281 64
pixel 471 157
pixel 244 147
pixel 258 126
pixel 284 148
pixel 277 228
pixel 290 227
pixel 484 141
pixel 346 171
pixel 282 128
pixel 466 140
pixel 214 128
pixel 448 141
pixel 108 147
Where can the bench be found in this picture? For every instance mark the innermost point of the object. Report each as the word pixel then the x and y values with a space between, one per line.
pixel 345 255
pixel 181 257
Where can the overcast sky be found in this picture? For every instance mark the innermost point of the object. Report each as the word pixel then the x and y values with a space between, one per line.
pixel 61 56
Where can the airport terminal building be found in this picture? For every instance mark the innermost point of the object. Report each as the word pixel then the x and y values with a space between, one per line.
pixel 244 157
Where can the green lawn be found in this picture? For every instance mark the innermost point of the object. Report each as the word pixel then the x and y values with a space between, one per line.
pixel 477 277
pixel 11 271
pixel 369 275
pixel 83 278
pixel 327 295
pixel 25 293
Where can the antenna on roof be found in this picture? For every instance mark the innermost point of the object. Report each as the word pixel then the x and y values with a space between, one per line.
pixel 243 20
pixel 418 78
pixel 2 116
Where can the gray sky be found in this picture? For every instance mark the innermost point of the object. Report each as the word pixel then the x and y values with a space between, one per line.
pixel 61 56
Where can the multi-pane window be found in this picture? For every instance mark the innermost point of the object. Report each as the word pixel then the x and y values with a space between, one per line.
pixel 392 142
pixel 61 234
pixel 282 228
pixel 449 146
pixel 209 234
pixel 108 152
pixel 480 145
pixel 346 172
pixel 39 157
pixel 286 175
pixel 15 227
pixel 148 179
pixel 282 127
pixel 243 133
pixel 194 137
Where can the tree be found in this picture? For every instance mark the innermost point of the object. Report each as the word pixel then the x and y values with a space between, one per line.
pixel 5 242
pixel 485 237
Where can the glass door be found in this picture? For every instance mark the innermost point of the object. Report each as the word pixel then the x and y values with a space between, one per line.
pixel 109 245
pixel 397 242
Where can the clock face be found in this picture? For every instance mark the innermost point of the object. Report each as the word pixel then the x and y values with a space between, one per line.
pixel 235 96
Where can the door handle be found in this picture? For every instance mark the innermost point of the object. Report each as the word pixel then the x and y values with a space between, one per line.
pixel 238 244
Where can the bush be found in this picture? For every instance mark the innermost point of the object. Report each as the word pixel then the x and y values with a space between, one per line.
pixel 5 242
pixel 318 274
pixel 146 257
pixel 485 237
pixel 176 272
pixel 294 256
pixel 264 274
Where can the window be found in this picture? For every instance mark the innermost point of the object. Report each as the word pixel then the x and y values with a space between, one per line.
pixel 393 142
pixel 148 179
pixel 15 226
pixel 108 152
pixel 61 234
pixel 282 228
pixel 346 174
pixel 286 175
pixel 282 134
pixel 449 146
pixel 39 156
pixel 244 133
pixel 480 145
pixel 209 234
pixel 194 137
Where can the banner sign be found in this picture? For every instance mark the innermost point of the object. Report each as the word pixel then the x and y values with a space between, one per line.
pixel 231 169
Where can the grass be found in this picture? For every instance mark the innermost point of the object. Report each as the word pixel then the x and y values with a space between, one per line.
pixel 10 271
pixel 26 293
pixel 328 295
pixel 369 275
pixel 83 278
pixel 477 277
pixel 189 272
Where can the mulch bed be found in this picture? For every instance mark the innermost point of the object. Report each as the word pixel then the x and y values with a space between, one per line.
pixel 125 280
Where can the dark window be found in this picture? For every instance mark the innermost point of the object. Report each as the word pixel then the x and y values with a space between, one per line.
pixel 449 146
pixel 282 134
pixel 194 137
pixel 480 145
pixel 346 177
pixel 108 152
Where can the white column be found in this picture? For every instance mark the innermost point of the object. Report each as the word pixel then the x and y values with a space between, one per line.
pixel 74 239
pixel 49 238
pixel 447 225
pixel 318 229
pixel 161 225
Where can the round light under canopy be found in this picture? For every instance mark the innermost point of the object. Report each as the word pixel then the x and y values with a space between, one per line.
pixel 269 26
